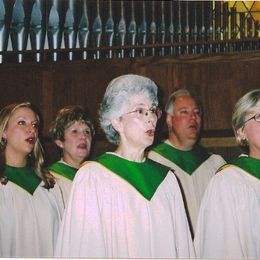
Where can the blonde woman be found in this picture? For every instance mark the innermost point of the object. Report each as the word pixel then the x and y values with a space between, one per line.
pixel 229 224
pixel 31 205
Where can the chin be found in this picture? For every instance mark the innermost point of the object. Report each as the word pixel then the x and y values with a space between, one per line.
pixel 148 143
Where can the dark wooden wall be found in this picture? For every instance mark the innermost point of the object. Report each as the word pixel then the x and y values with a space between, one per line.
pixel 218 81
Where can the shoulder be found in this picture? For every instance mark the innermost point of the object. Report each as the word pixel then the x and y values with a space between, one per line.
pixel 157 165
pixel 91 170
pixel 231 177
pixel 215 161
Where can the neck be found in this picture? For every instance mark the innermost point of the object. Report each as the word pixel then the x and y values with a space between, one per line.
pixel 181 145
pixel 254 153
pixel 15 161
pixel 135 155
pixel 73 163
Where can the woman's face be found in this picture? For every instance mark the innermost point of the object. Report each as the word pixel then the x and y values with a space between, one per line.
pixel 21 132
pixel 77 143
pixel 136 126
pixel 251 132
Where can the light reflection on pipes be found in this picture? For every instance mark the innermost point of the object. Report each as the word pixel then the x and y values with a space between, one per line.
pixel 132 29
pixel 97 31
pixel 70 27
pixel 3 30
pixel 121 30
pixel 37 32
pixel 171 29
pixel 162 29
pixel 142 30
pixel 109 30
pixel 17 29
pixel 83 31
pixel 54 33
pixel 153 29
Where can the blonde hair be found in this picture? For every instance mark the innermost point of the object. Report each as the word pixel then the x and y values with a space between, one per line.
pixel 246 105
pixel 35 159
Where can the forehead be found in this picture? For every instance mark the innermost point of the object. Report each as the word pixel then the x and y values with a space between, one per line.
pixel 141 99
pixel 80 124
pixel 185 101
pixel 23 112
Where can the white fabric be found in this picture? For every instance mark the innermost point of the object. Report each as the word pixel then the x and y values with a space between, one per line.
pixel 29 224
pixel 65 186
pixel 193 186
pixel 229 219
pixel 107 217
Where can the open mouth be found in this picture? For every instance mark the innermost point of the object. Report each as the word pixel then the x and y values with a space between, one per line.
pixel 82 146
pixel 30 140
pixel 150 132
pixel 193 127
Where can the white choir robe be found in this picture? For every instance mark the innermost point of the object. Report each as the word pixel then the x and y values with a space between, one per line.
pixel 29 224
pixel 229 219
pixel 108 217
pixel 193 186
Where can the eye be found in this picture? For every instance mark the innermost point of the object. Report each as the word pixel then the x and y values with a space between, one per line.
pixel 257 117
pixel 87 132
pixel 197 111
pixel 153 110
pixel 140 111
pixel 21 122
pixel 184 111
pixel 35 125
pixel 74 131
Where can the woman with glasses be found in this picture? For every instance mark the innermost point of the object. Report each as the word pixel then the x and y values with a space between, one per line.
pixel 123 205
pixel 229 224
pixel 72 132
pixel 31 204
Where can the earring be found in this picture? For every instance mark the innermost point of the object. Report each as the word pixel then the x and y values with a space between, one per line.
pixel 3 143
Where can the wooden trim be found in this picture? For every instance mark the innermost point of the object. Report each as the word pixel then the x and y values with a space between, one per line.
pixel 218 142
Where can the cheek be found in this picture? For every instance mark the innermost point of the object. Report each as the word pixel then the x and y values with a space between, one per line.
pixel 68 142
pixel 178 122
pixel 199 121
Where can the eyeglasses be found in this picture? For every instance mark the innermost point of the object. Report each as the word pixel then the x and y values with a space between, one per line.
pixel 141 112
pixel 256 117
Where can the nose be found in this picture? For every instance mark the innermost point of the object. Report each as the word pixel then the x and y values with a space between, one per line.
pixel 83 135
pixel 194 114
pixel 31 128
pixel 151 117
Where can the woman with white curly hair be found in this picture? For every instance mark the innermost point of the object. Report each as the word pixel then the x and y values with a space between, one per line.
pixel 123 205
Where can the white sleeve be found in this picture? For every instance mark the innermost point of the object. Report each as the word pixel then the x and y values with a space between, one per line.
pixel 81 230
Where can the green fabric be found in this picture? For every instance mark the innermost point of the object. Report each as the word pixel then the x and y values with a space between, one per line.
pixel 145 177
pixel 63 170
pixel 24 177
pixel 249 164
pixel 188 161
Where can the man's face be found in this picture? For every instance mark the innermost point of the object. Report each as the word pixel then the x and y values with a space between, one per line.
pixel 185 123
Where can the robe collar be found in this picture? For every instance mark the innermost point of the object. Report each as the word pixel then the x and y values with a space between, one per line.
pixel 248 164
pixel 24 177
pixel 188 161
pixel 145 176
pixel 64 170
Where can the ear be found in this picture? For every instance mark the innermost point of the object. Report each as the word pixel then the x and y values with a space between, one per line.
pixel 117 125
pixel 169 120
pixel 59 143
pixel 241 133
pixel 4 134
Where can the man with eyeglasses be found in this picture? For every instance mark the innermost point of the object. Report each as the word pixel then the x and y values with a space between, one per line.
pixel 192 164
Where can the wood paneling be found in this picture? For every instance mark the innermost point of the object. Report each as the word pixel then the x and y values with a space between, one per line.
pixel 218 81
